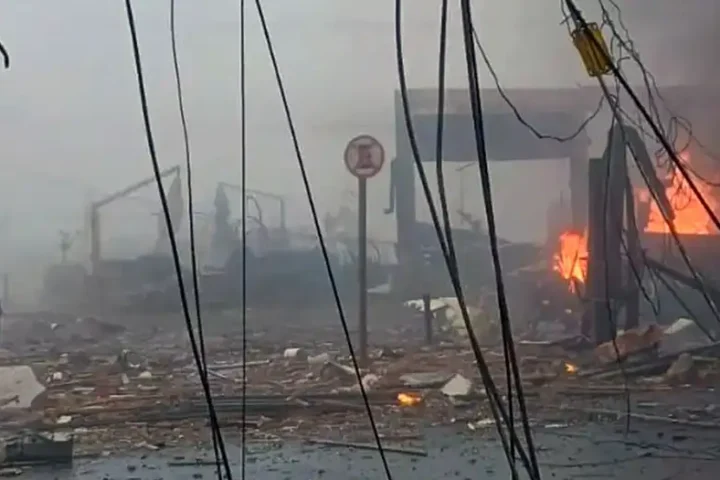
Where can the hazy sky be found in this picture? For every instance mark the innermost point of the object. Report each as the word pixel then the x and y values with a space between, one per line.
pixel 72 126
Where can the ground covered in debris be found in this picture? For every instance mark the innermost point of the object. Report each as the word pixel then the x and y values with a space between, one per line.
pixel 122 390
pixel 590 451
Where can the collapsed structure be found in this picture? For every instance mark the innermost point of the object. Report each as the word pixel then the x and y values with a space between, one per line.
pixel 599 214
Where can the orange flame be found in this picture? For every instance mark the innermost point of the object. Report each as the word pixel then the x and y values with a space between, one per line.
pixel 570 261
pixel 570 368
pixel 690 215
pixel 408 399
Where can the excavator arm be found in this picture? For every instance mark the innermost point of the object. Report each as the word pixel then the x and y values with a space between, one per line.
pixel 95 244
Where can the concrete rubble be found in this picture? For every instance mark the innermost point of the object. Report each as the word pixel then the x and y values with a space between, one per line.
pixel 19 387
pixel 457 387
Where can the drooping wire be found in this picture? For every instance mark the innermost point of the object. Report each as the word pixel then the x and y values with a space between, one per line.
pixel 657 132
pixel 668 221
pixel 171 234
pixel 676 122
pixel 581 23
pixel 638 276
pixel 540 135
pixel 243 227
pixel 191 212
pixel 5 56
pixel 318 232
pixel 495 402
pixel 506 98
pixel 442 195
pixel 442 61
pixel 506 353
pixel 479 130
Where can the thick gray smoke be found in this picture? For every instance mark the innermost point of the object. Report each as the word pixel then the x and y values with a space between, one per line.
pixel 678 42
pixel 688 41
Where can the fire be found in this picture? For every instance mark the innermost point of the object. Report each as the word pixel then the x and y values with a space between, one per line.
pixel 690 215
pixel 570 368
pixel 408 399
pixel 570 261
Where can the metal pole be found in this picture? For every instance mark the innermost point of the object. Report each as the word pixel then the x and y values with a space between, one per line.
pixel 428 315
pixel 362 268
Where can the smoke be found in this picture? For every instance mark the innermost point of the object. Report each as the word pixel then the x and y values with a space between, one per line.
pixel 678 41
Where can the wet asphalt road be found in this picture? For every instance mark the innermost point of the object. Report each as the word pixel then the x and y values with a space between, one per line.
pixel 597 451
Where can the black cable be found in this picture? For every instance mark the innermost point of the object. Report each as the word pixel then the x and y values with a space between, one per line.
pixel 191 216
pixel 499 414
pixel 506 98
pixel 477 113
pixel 318 231
pixel 580 21
pixel 577 16
pixel 5 56
pixel 442 61
pixel 676 122
pixel 171 234
pixel 619 112
pixel 671 226
pixel 506 353
pixel 649 81
pixel 637 274
pixel 243 227
pixel 444 206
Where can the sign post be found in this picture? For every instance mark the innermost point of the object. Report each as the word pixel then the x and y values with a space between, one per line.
pixel 364 158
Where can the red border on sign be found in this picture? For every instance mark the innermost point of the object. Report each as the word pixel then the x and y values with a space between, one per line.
pixel 346 156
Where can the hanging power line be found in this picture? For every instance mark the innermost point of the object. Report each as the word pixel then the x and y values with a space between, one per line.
pixel 5 56
pixel 498 411
pixel 513 372
pixel 318 232
pixel 191 219
pixel 171 235
pixel 612 68
pixel 520 118
pixel 243 227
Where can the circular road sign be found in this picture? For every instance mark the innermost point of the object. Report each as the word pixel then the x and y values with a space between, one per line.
pixel 364 156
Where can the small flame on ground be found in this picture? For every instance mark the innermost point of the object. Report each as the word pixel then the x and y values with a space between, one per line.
pixel 570 368
pixel 408 399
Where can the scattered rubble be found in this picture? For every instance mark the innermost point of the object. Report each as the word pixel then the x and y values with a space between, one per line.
pixel 122 393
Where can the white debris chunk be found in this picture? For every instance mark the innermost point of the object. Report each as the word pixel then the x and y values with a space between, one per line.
pixel 297 353
pixel 458 386
pixel 19 382
pixel 425 379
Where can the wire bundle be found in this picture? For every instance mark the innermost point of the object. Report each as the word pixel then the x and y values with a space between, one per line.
pixel 503 411
pixel 655 126
pixel 503 416
pixel 197 350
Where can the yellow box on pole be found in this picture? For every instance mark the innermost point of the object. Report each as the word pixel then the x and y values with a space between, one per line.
pixel 593 50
